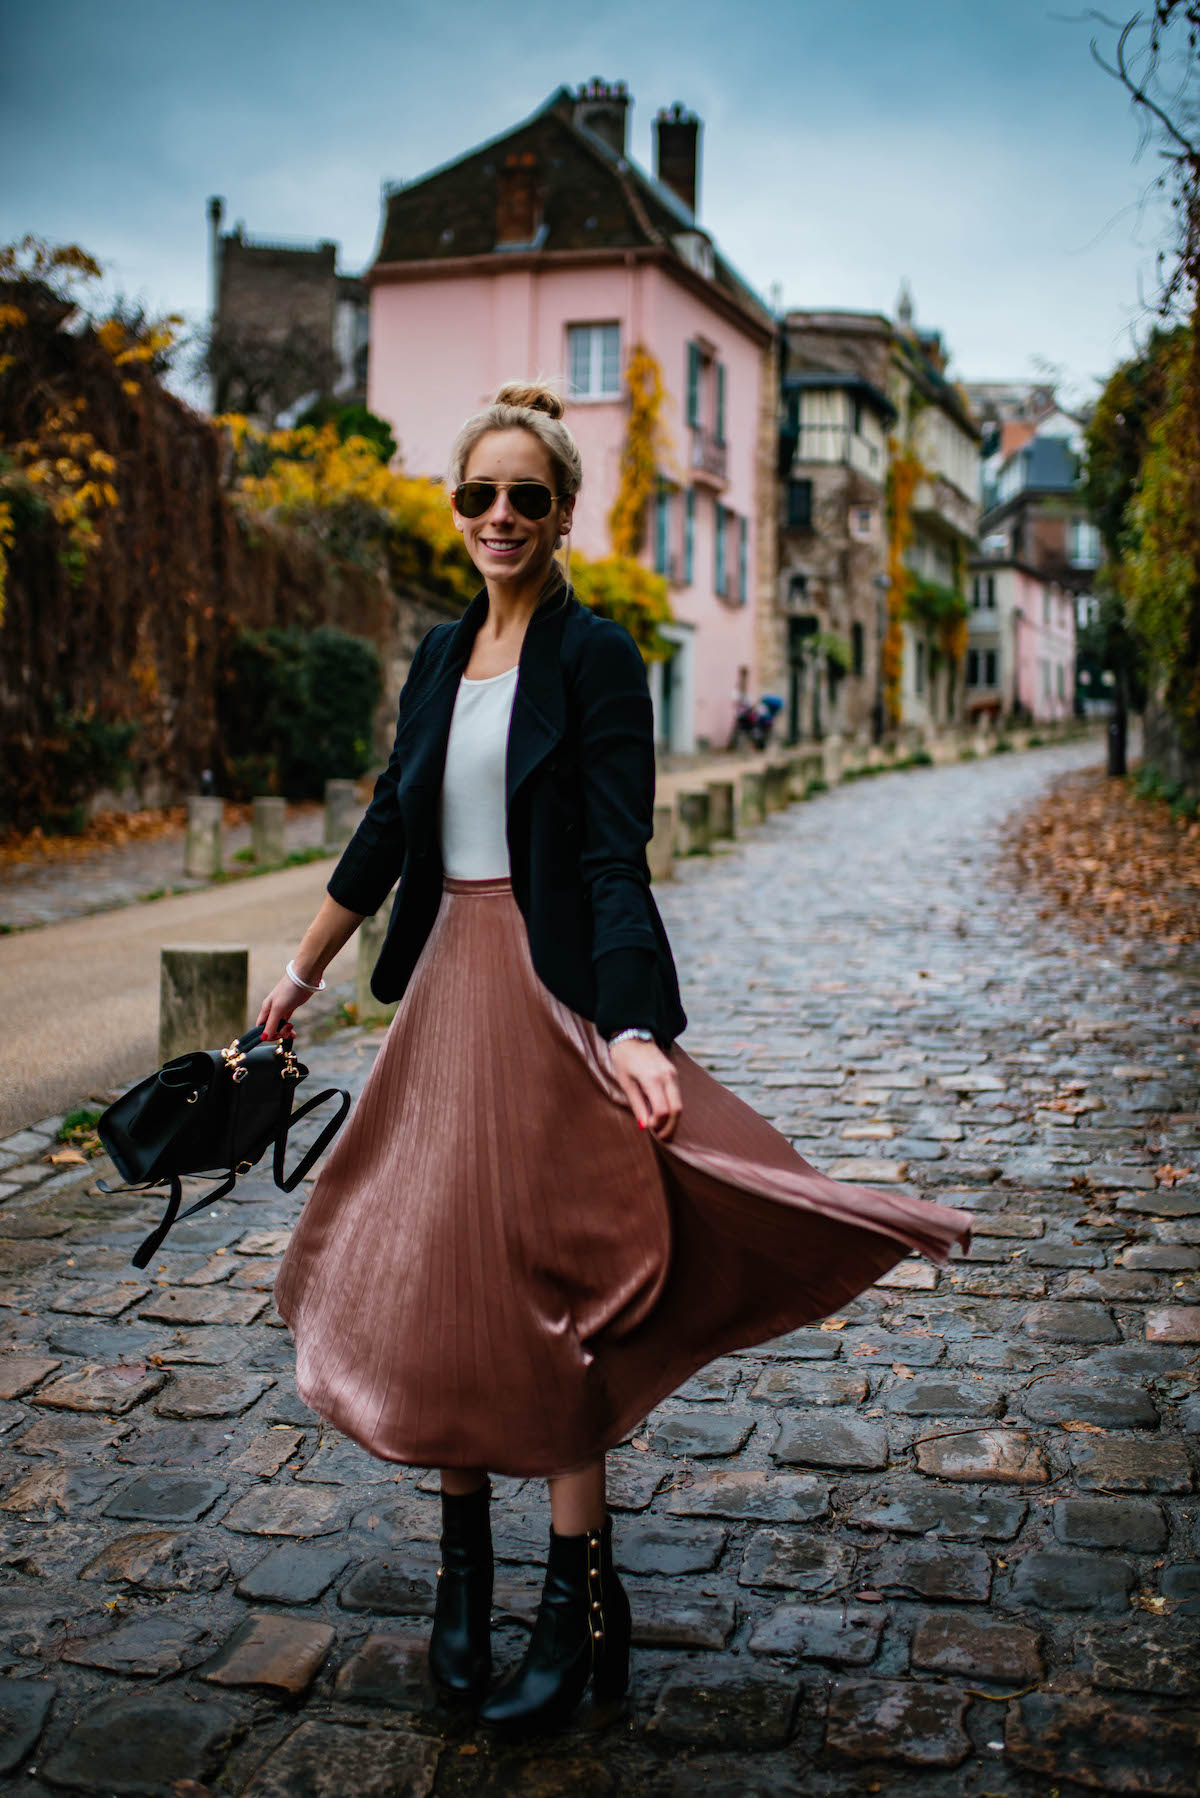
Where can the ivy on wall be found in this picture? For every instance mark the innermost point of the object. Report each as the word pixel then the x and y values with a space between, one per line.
pixel 905 471
pixel 53 467
pixel 639 453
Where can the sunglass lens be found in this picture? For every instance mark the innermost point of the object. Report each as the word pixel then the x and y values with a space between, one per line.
pixel 530 498
pixel 474 498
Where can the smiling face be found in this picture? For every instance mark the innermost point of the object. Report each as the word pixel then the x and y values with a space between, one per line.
pixel 506 548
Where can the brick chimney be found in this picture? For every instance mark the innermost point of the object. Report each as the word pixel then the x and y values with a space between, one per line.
pixel 677 153
pixel 602 107
pixel 518 199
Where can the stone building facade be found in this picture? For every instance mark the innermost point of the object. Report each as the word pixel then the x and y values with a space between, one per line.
pixel 857 389
pixel 286 327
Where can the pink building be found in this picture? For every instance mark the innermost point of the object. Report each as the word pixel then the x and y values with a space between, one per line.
pixel 1021 644
pixel 547 252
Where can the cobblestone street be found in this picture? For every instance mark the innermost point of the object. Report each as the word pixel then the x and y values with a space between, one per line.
pixel 947 1541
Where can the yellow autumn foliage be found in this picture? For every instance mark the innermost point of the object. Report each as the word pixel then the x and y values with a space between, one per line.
pixel 639 452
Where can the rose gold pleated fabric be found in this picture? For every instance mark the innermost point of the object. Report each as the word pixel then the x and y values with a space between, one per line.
pixel 497 1268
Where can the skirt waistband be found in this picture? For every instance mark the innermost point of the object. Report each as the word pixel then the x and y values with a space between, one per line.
pixel 477 889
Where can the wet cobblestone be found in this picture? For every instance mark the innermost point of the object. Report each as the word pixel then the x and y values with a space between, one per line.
pixel 949 1536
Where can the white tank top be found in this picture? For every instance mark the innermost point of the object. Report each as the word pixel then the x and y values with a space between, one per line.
pixel 474 838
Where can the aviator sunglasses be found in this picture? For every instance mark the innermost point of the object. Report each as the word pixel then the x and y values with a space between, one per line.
pixel 532 499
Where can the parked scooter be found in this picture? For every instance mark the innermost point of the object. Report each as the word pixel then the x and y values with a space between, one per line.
pixel 753 721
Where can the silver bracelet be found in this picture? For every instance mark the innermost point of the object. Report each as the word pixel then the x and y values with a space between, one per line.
pixel 307 985
pixel 631 1035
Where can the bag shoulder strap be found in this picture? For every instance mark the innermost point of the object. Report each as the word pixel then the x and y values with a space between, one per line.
pixel 319 1146
pixel 173 1214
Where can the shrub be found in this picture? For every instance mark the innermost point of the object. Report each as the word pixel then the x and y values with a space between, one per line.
pixel 51 784
pixel 1002 746
pixel 296 709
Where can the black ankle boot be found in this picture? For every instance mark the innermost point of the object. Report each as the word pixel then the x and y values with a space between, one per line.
pixel 581 1633
pixel 460 1649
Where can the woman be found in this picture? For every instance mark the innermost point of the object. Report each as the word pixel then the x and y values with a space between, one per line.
pixel 542 1216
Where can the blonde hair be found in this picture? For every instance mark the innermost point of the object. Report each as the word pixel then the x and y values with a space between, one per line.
pixel 525 406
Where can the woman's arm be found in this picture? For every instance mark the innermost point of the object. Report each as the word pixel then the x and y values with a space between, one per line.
pixel 616 731
pixel 366 872
pixel 370 864
pixel 328 933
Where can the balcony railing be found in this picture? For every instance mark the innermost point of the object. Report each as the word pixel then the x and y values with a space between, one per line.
pixel 708 454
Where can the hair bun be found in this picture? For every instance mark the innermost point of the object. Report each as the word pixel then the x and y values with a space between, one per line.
pixel 534 397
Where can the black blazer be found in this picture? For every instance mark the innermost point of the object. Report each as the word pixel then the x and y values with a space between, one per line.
pixel 579 795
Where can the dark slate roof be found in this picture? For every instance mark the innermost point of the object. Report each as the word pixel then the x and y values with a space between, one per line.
pixel 593 199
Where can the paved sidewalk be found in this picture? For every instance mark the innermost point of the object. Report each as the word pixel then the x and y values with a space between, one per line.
pixel 946 1541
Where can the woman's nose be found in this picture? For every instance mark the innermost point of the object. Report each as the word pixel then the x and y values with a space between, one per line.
pixel 502 511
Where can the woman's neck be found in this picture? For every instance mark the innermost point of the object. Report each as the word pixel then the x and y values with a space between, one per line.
pixel 509 611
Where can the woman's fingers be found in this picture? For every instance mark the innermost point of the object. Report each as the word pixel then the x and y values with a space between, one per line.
pixel 277 1008
pixel 654 1101
pixel 666 1105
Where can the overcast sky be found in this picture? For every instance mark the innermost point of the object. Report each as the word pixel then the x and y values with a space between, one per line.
pixel 970 146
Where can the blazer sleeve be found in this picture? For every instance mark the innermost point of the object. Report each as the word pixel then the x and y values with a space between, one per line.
pixel 616 736
pixel 370 864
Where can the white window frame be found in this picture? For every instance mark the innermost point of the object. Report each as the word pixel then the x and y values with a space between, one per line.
pixel 595 389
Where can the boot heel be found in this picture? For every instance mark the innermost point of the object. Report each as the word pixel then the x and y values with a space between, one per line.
pixel 610 1677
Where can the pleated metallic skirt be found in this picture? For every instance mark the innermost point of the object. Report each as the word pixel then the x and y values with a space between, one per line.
pixel 498 1268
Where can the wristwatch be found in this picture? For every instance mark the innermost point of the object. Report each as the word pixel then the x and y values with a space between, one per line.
pixel 637 1036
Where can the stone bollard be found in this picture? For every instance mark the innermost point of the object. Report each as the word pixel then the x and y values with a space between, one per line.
pixel 269 838
pixel 831 761
pixel 751 799
pixel 341 813
pixel 371 933
pixel 660 851
pixel 202 852
pixel 693 830
pixel 721 822
pixel 202 997
pixel 776 781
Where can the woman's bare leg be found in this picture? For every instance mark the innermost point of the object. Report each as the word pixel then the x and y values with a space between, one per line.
pixel 458 1481
pixel 577 1500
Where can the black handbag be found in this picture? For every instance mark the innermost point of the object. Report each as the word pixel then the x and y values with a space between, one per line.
pixel 212 1111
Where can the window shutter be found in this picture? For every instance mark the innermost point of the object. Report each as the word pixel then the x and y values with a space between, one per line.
pixel 693 385
pixel 662 531
pixel 719 433
pixel 689 537
pixel 744 561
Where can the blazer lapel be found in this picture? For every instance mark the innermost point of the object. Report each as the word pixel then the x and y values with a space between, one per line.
pixel 539 708
pixel 426 729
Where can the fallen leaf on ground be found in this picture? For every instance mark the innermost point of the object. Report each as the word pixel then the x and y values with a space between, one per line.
pixel 1169 1176
pixel 834 1323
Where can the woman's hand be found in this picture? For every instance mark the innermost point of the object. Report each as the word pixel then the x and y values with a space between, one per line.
pixel 278 1006
pixel 648 1079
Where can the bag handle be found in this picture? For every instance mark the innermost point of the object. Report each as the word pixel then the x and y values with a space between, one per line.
pixel 322 1143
